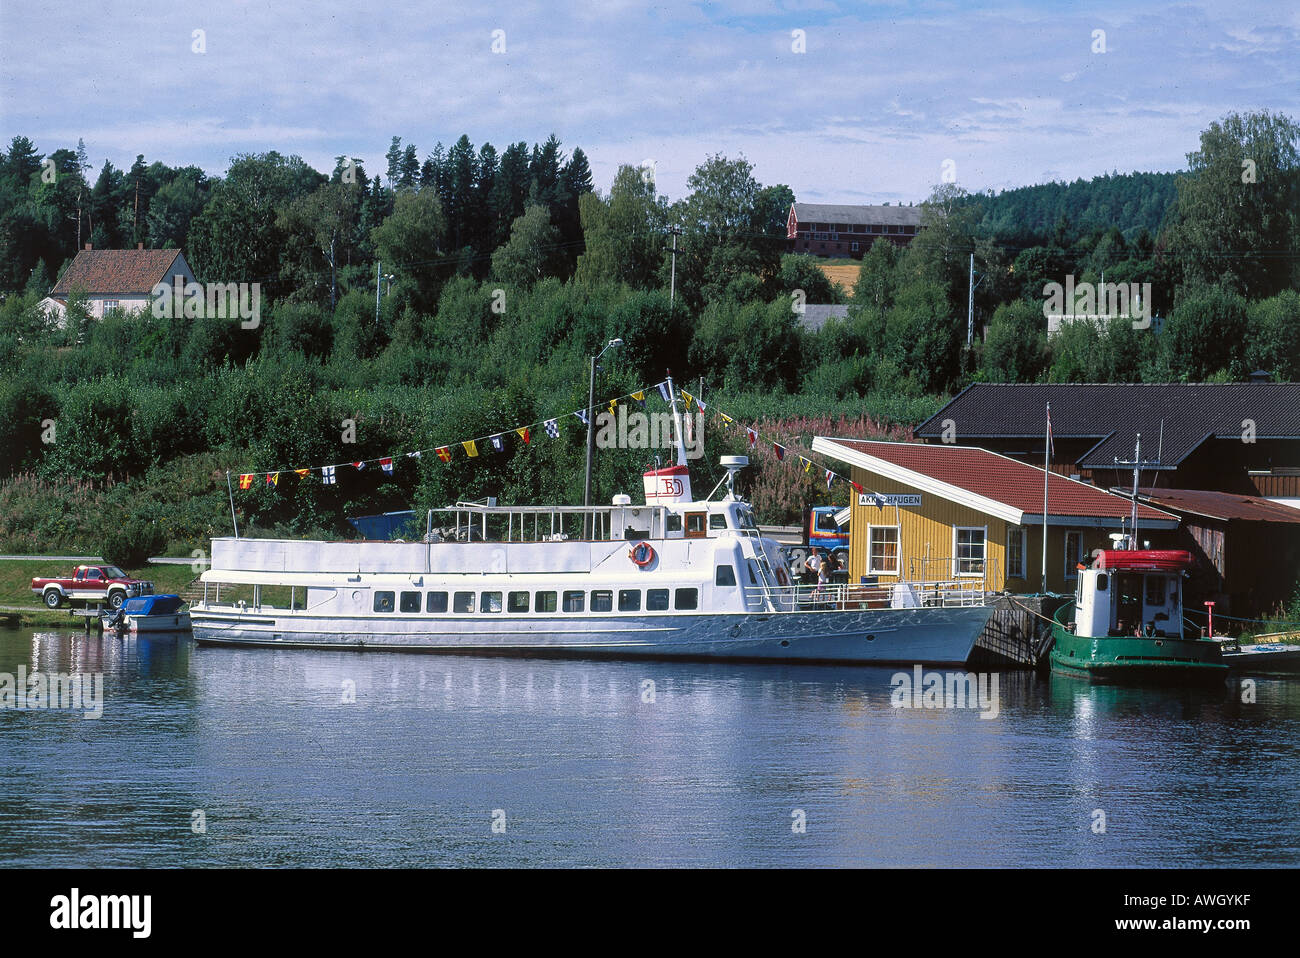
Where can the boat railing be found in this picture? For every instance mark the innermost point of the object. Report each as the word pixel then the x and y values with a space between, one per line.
pixel 952 593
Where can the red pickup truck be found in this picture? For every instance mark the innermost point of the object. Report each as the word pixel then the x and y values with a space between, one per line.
pixel 91 583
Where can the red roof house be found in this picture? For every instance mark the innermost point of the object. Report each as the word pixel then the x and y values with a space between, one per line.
pixel 946 511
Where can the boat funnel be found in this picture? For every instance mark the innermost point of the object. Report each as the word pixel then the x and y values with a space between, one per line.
pixel 668 484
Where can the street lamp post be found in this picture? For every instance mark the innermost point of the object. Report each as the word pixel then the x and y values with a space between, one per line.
pixel 591 419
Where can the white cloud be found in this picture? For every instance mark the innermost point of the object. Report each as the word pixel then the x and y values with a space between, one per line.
pixel 884 94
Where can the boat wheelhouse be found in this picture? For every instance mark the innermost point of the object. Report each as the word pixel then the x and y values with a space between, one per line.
pixel 1127 622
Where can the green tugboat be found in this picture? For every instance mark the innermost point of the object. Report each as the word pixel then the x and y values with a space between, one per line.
pixel 1126 623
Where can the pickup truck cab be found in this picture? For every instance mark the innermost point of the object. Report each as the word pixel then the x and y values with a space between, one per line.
pixel 91 583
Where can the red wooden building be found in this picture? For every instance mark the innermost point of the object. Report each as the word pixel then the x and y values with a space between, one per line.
pixel 830 230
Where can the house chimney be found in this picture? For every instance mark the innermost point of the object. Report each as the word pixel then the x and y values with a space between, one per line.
pixel 88 246
pixel 139 246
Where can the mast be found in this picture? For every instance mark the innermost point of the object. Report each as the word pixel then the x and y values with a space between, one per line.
pixel 1047 469
pixel 677 423
pixel 1137 466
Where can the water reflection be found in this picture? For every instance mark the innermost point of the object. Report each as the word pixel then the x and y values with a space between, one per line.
pixel 344 758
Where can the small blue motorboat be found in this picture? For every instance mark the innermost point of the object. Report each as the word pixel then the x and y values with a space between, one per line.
pixel 149 613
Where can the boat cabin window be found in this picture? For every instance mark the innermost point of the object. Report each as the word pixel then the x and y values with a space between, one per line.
pixel 746 519
pixel 753 579
pixel 695 525
pixel 545 602
pixel 383 602
pixel 435 602
pixel 725 575
pixel 573 601
pixel 1102 582
pixel 491 602
pixel 687 599
pixel 602 600
pixel 629 600
pixel 718 520
pixel 463 602
pixel 410 602
pixel 826 522
pixel 1155 590
pixel 1128 603
pixel 656 600
pixel 674 522
pixel 518 602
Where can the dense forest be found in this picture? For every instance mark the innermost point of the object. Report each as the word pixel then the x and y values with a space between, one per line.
pixel 500 274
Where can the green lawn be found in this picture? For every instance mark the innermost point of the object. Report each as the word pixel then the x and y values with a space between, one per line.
pixel 16 579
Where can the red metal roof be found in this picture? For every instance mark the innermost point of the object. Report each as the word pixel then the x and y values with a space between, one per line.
pixel 1003 480
pixel 98 271
pixel 1225 506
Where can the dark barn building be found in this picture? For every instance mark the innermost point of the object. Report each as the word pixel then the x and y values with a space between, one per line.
pixel 1248 549
pixel 1229 437
pixel 1224 457
pixel 829 230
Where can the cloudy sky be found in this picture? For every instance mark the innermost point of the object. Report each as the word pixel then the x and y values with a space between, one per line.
pixel 844 101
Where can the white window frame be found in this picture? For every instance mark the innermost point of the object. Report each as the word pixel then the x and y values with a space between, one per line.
pixel 1072 561
pixel 1017 532
pixel 898 538
pixel 956 559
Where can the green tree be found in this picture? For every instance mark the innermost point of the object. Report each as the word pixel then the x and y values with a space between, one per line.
pixel 624 234
pixel 1237 205
pixel 1015 346
pixel 1273 339
pixel 531 252
pixel 1205 334
pixel 410 241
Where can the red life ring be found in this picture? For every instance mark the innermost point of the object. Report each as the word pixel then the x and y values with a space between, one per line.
pixel 642 554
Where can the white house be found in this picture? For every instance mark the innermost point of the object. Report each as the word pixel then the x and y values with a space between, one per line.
pixel 115 279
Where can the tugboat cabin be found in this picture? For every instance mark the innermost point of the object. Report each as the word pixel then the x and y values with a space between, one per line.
pixel 1132 592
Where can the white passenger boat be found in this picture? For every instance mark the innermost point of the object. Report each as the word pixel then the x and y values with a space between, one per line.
pixel 672 577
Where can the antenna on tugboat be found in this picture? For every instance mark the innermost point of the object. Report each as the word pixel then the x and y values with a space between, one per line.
pixel 1137 464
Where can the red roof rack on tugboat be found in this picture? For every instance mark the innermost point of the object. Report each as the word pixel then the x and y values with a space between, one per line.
pixel 1145 560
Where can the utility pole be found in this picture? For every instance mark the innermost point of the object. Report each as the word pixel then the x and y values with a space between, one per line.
pixel 676 231
pixel 970 302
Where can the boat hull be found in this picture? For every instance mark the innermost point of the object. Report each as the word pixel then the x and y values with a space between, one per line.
pixel 1264 658
pixel 938 636
pixel 1139 659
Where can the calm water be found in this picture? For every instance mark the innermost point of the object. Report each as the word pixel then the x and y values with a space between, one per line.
pixel 589 774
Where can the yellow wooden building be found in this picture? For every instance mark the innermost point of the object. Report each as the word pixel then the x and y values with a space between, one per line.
pixel 941 512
